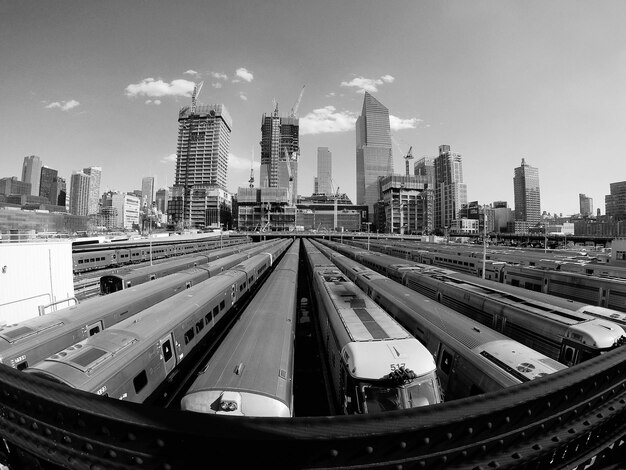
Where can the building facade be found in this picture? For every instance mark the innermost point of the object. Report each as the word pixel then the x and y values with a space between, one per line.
pixel 58 192
pixel 79 194
pixel 202 155
pixel 48 175
pixel 93 203
pixel 147 191
pixel 586 205
pixel 324 171
pixel 527 195
pixel 407 203
pixel 12 185
pixel 31 173
pixel 125 209
pixel 373 151
pixel 615 202
pixel 450 191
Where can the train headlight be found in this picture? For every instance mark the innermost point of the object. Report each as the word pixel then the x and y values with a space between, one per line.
pixel 230 401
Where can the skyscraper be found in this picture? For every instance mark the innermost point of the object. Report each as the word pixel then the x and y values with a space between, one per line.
pixel 58 192
pixel 526 194
pixel 93 201
pixel 202 155
pixel 586 205
pixel 31 173
pixel 48 175
pixel 450 191
pixel 616 201
pixel 147 191
pixel 79 193
pixel 324 170
pixel 280 151
pixel 373 151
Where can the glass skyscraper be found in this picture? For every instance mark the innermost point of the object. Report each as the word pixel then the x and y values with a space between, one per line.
pixel 31 173
pixel 373 151
pixel 324 171
pixel 526 194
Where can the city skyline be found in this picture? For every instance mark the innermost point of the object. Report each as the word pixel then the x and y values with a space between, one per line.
pixel 100 84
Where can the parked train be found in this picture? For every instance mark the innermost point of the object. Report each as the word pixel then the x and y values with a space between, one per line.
pixel 567 336
pixel 127 277
pixel 131 360
pixel 28 342
pixel 251 373
pixel 602 291
pixel 116 255
pixel 374 364
pixel 471 358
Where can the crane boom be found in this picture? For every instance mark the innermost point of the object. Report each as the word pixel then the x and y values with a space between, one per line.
pixel 294 109
pixel 194 96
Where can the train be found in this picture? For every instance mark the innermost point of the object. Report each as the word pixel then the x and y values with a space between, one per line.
pixel 115 255
pixel 251 373
pixel 132 360
pixel 567 336
pixel 595 289
pixel 373 364
pixel 28 342
pixel 471 358
pixel 127 277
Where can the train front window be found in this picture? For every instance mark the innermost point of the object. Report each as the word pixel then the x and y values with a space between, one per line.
pixel 381 399
pixel 423 392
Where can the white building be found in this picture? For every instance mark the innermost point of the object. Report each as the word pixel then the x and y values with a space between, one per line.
pixel 127 207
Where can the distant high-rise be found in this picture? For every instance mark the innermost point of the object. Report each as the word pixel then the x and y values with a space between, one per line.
pixel 616 201
pixel 162 195
pixel 147 191
pixel 425 166
pixel 526 193
pixel 45 183
pixel 373 151
pixel 79 193
pixel 586 205
pixel 31 173
pixel 202 155
pixel 93 202
pixel 324 170
pixel 58 192
pixel 280 151
pixel 450 191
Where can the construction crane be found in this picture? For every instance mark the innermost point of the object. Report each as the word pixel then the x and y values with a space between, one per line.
pixel 294 109
pixel 408 157
pixel 288 163
pixel 194 96
pixel 251 180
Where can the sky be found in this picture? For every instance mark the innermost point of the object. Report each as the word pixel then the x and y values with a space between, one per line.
pixel 100 83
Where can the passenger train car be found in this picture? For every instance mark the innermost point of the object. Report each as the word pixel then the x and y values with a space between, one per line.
pixel 567 336
pixel 602 291
pixel 471 358
pixel 116 255
pixel 374 365
pixel 251 373
pixel 28 342
pixel 127 277
pixel 131 360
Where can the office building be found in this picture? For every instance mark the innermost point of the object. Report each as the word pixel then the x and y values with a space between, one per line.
pixel 324 171
pixel 12 185
pixel 58 192
pixel 48 175
pixel 527 195
pixel 450 191
pixel 79 193
pixel 373 151
pixel 125 209
pixel 280 152
pixel 162 196
pixel 147 191
pixel 93 202
pixel 586 205
pixel 202 156
pixel 616 201
pixel 31 173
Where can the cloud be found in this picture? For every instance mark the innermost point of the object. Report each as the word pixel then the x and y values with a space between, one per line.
pixel 397 124
pixel 190 72
pixel 244 74
pixel 63 105
pixel 171 158
pixel 368 84
pixel 216 85
pixel 239 163
pixel 156 88
pixel 243 96
pixel 219 76
pixel 327 120
pixel 156 102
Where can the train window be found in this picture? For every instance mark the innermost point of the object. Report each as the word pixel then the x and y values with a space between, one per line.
pixel 152 277
pixel 446 362
pixel 140 381
pixel 189 335
pixel 199 326
pixel 188 285
pixel 22 365
pixel 216 310
pixel 93 329
pixel 207 318
pixel 128 284
pixel 80 261
pixel 167 350
pixel 222 305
